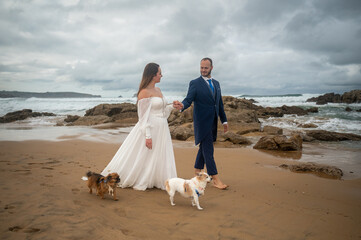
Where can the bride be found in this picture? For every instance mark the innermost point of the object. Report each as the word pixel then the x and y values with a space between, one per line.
pixel 146 158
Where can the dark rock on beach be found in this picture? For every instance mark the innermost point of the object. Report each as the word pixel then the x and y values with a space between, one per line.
pixel 280 142
pixel 353 96
pixel 233 138
pixel 107 113
pixel 272 130
pixel 323 135
pixel 181 132
pixel 71 118
pixel 318 169
pixel 22 114
pixel 308 125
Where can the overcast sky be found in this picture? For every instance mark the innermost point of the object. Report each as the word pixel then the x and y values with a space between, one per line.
pixel 258 46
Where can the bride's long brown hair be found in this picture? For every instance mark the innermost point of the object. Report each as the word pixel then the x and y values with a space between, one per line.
pixel 150 71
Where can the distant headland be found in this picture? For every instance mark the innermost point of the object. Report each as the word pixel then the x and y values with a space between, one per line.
pixel 16 94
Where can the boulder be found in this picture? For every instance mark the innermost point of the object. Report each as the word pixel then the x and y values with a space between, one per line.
pixel 353 96
pixel 307 125
pixel 111 109
pixel 272 130
pixel 326 98
pixel 234 138
pixel 312 110
pixel 22 114
pixel 293 110
pixel 91 120
pixel 269 112
pixel 323 135
pixel 280 142
pixel 71 118
pixel 318 169
pixel 244 128
pixel 181 132
pixel 348 109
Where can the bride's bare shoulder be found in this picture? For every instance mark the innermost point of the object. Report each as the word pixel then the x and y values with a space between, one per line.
pixel 144 93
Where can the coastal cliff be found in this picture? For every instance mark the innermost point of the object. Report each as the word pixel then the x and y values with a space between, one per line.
pixel 16 94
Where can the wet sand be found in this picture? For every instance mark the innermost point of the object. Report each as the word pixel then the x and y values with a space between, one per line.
pixel 43 197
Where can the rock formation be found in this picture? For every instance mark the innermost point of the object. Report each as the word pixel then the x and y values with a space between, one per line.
pixel 353 96
pixel 318 169
pixel 280 142
pixel 22 114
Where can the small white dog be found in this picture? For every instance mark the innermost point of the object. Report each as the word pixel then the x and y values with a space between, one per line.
pixel 191 188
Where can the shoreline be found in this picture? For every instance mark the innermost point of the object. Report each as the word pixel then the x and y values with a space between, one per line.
pixel 344 155
pixel 43 197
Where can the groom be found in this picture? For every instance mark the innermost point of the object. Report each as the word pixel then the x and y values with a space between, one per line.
pixel 205 92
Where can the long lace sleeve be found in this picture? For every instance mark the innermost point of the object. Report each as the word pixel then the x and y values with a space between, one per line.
pixel 168 109
pixel 144 106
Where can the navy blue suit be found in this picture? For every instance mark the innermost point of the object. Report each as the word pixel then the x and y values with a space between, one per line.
pixel 207 108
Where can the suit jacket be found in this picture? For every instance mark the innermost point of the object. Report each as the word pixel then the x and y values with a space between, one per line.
pixel 206 107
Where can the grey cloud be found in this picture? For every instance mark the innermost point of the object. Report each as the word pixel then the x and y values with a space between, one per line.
pixel 257 46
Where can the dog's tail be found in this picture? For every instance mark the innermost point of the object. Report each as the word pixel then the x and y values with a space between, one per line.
pixel 167 187
pixel 88 174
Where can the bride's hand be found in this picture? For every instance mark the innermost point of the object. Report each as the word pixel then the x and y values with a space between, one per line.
pixel 148 143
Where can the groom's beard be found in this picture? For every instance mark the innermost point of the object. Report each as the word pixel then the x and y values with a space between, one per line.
pixel 207 74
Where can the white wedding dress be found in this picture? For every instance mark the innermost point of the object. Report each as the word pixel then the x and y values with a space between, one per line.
pixel 138 166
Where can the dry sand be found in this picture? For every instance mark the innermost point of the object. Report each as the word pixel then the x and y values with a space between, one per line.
pixel 43 197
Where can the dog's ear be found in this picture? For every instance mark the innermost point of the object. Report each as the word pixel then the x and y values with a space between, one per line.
pixel 118 179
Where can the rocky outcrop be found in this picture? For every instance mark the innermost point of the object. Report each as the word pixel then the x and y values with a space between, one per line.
pixel 106 113
pixel 280 142
pixel 318 169
pixel 323 135
pixel 22 114
pixel 181 132
pixel 353 96
pixel 233 138
pixel 307 125
pixel 272 130
pixel 71 118
pixel 112 109
pixel 244 128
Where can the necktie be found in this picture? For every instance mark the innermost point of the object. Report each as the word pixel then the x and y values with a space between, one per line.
pixel 210 84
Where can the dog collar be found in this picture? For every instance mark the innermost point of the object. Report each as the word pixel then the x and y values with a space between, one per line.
pixel 200 188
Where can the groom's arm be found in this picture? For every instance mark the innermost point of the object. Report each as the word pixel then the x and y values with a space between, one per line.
pixel 190 96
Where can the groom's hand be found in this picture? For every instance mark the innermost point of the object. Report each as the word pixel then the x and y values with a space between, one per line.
pixel 225 126
pixel 178 105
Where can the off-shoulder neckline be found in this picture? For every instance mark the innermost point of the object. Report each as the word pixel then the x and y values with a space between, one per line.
pixel 151 97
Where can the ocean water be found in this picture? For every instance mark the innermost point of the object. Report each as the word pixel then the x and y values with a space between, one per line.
pixel 331 117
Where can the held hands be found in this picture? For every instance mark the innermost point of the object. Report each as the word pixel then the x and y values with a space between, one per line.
pixel 178 105
pixel 148 143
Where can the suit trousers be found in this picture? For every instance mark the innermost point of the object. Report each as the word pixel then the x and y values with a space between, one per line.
pixel 206 151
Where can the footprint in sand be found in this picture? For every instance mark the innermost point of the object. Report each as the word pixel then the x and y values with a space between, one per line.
pixel 75 190
pixel 48 168
pixel 125 231
pixel 121 212
pixel 26 230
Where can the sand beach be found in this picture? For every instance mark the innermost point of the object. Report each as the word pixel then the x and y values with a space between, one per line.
pixel 43 197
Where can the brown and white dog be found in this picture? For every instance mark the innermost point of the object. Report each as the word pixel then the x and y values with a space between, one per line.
pixel 192 188
pixel 102 184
